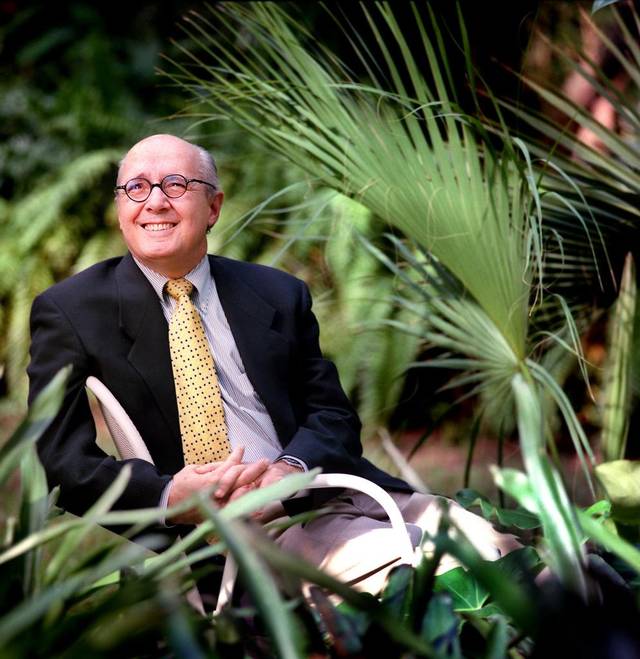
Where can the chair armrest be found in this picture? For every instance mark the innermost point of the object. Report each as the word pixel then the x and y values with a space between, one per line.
pixel 342 481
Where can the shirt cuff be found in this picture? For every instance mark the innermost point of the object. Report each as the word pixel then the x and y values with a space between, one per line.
pixel 292 460
pixel 164 500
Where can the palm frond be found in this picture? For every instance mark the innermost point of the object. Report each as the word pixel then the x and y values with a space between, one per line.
pixel 411 160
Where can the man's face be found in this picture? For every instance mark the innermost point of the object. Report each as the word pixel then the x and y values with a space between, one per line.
pixel 167 235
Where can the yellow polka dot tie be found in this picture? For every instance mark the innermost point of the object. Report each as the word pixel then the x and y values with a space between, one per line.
pixel 202 425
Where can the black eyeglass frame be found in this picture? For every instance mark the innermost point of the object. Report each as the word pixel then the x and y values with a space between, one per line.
pixel 159 185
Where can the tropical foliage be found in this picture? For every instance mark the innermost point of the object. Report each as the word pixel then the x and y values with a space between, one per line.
pixel 500 223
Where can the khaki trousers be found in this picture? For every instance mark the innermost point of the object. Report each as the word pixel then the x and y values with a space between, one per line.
pixel 356 544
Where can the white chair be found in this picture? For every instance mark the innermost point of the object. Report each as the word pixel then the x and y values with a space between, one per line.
pixel 130 444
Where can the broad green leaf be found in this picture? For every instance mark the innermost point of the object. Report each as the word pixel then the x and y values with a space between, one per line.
pixel 397 596
pixel 512 598
pixel 621 481
pixel 469 497
pixel 440 627
pixel 519 564
pixel 520 518
pixel 371 144
pixel 466 593
pixel 488 611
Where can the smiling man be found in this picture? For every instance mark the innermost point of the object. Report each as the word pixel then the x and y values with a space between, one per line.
pixel 217 363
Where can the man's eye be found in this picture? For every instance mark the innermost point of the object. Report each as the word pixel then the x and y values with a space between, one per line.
pixel 133 186
pixel 174 185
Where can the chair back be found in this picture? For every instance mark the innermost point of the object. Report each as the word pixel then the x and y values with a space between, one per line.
pixel 125 435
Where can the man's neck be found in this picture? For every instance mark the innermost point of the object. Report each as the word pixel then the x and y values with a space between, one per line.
pixel 169 272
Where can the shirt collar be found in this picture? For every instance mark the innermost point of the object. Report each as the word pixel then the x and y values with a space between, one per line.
pixel 200 277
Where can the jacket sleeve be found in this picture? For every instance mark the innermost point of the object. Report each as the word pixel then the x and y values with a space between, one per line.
pixel 328 432
pixel 68 449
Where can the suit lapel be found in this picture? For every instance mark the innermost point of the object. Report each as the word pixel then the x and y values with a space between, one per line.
pixel 142 320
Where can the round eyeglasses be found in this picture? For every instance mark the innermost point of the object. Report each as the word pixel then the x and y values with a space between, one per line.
pixel 173 185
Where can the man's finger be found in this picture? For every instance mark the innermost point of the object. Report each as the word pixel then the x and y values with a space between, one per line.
pixel 240 475
pixel 251 472
pixel 239 491
pixel 226 481
pixel 217 469
pixel 234 458
pixel 206 468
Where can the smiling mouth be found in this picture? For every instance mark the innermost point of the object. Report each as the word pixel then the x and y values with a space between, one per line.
pixel 160 226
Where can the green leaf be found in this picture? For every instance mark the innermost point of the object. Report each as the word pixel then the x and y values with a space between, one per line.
pixel 498 640
pixel 517 485
pixel 469 497
pixel 519 518
pixel 440 627
pixel 609 540
pixel 509 594
pixel 345 624
pixel 467 594
pixel 291 564
pixel 397 597
pixel 519 564
pixel 616 390
pixel 260 584
pixel 471 207
pixel 28 612
pixel 600 508
pixel 33 513
pixel 60 560
pixel 621 481
pixel 561 529
pixel 488 611
pixel 41 413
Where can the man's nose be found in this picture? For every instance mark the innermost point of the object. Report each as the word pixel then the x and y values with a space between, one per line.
pixel 157 200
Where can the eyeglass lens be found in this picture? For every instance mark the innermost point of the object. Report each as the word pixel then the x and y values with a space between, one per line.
pixel 139 189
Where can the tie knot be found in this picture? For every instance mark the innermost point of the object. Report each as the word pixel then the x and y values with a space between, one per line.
pixel 179 287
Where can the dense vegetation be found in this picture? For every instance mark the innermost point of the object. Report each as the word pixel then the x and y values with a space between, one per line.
pixel 450 223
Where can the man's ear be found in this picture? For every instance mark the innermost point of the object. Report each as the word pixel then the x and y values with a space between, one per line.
pixel 215 205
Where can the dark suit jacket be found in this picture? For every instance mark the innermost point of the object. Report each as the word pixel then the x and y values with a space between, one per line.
pixel 107 321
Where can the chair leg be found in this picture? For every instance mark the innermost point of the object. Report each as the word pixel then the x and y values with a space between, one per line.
pixel 228 580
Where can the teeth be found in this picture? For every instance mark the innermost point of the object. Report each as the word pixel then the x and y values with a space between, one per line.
pixel 157 227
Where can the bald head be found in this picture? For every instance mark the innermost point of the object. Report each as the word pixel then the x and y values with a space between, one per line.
pixel 155 145
pixel 165 231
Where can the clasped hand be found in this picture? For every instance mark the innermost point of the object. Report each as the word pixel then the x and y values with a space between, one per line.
pixel 231 477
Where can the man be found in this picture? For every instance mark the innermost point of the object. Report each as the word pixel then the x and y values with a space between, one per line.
pixel 282 405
